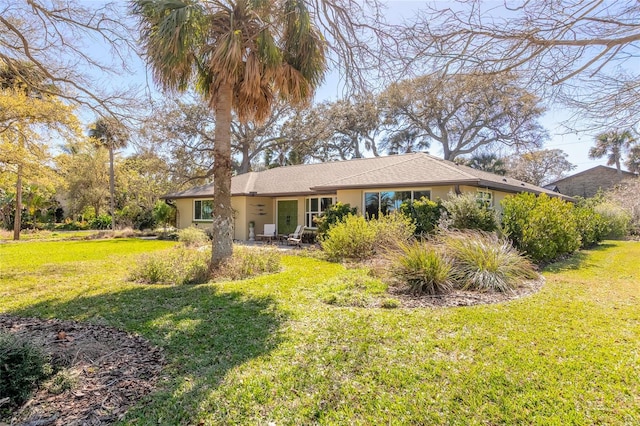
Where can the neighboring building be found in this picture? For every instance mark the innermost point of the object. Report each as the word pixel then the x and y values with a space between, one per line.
pixel 288 196
pixel 587 183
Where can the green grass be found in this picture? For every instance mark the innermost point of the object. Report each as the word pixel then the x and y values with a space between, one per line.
pixel 270 349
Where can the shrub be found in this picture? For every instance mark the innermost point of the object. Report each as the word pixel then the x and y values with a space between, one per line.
pixel 70 225
pixel 352 238
pixel 102 221
pixel 591 225
pixel 23 366
pixel 179 265
pixel 484 261
pixel 358 238
pixel 465 212
pixel 391 230
pixel 424 214
pixel 247 262
pixel 617 220
pixel 541 227
pixel 192 236
pixel 625 196
pixel 334 214
pixel 425 269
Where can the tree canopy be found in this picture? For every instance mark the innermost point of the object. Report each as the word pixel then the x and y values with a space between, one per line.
pixel 240 56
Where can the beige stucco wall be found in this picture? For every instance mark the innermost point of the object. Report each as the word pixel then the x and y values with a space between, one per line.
pixel 352 197
pixel 259 210
pixel 263 210
pixel 240 228
pixel 185 212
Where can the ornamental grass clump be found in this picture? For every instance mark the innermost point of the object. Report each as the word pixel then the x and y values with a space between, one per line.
pixel 247 262
pixel 485 262
pixel 192 237
pixel 179 265
pixel 423 267
pixel 23 366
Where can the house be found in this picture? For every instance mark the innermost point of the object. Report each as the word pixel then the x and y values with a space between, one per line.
pixel 588 182
pixel 288 196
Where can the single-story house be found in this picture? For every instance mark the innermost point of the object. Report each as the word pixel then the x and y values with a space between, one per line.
pixel 588 182
pixel 295 195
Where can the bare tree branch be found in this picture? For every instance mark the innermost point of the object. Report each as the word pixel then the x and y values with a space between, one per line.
pixel 587 53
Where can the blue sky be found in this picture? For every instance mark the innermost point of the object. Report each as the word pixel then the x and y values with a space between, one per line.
pixel 575 144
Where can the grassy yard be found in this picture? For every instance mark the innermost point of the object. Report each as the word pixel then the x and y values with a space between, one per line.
pixel 269 350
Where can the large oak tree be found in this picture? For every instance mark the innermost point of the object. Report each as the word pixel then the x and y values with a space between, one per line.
pixel 463 113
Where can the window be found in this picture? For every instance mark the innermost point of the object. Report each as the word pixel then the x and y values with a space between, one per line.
pixel 202 209
pixel 485 197
pixel 386 202
pixel 314 207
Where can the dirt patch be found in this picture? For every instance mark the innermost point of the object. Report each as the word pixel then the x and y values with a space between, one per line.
pixel 464 298
pixel 109 370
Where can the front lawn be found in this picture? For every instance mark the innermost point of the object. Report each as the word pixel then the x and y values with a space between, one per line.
pixel 270 350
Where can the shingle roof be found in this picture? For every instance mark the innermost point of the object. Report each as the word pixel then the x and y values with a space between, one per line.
pixel 591 170
pixel 416 169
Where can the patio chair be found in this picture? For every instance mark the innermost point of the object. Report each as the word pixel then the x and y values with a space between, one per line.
pixel 296 237
pixel 269 232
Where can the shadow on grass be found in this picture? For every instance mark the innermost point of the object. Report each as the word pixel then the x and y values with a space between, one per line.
pixel 204 333
pixel 577 260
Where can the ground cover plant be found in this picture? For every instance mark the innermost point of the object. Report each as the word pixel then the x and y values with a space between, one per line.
pixel 270 350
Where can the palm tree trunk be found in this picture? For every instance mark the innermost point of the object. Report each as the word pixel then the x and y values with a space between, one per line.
pixel 222 232
pixel 112 190
pixel 17 220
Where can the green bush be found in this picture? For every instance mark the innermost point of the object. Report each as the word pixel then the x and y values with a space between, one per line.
pixel 248 262
pixel 358 238
pixel 617 219
pixel 392 229
pixel 540 226
pixel 424 214
pixel 70 225
pixel 465 212
pixel 352 238
pixel 101 222
pixel 180 265
pixel 23 366
pixel 192 236
pixel 483 261
pixel 591 225
pixel 334 214
pixel 425 269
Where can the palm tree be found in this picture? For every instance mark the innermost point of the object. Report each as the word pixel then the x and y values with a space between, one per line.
pixel 110 134
pixel 487 162
pixel 239 55
pixel 614 145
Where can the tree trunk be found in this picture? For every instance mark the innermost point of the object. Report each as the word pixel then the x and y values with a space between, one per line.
pixel 222 232
pixel 245 165
pixel 112 190
pixel 17 220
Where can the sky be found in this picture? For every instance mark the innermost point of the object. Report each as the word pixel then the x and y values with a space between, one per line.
pixel 575 144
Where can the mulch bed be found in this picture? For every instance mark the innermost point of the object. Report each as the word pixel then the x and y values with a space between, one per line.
pixel 113 370
pixel 464 298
